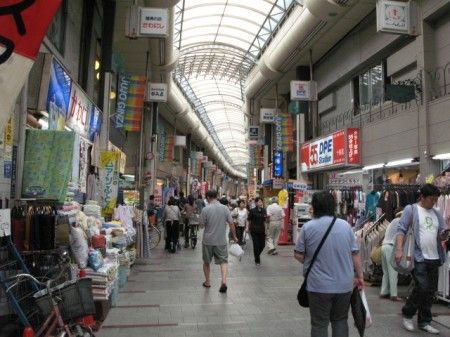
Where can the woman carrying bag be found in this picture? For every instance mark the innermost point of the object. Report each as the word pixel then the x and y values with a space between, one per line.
pixel 329 267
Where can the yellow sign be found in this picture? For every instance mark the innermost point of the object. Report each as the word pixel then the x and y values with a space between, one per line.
pixel 283 198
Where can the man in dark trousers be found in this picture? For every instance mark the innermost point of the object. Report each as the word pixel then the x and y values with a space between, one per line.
pixel 429 230
pixel 257 218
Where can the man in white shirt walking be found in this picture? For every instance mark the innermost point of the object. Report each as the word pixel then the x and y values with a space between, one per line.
pixel 429 230
pixel 276 217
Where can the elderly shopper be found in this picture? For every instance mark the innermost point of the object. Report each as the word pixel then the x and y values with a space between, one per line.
pixel 332 276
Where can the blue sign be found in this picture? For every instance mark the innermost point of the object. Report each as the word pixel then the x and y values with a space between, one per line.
pixel 95 123
pixel 58 96
pixel 278 164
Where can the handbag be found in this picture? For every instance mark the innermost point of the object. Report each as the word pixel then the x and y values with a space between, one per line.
pixel 406 264
pixel 302 295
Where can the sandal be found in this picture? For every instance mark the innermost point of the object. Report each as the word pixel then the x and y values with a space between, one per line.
pixel 223 288
pixel 206 285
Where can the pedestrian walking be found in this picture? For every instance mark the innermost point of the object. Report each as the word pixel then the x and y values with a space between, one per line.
pixel 240 216
pixel 429 230
pixel 390 275
pixel 172 217
pixel 257 218
pixel 215 217
pixel 331 279
pixel 275 215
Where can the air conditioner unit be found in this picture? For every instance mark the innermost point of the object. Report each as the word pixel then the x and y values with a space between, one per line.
pixel 132 22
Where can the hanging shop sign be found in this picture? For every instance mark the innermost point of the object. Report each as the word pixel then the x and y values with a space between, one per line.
pixel 58 96
pixel 253 132
pixel 122 163
pixel 278 164
pixel 23 25
pixel 180 141
pixel 130 102
pixel 153 22
pixel 341 148
pixel 267 115
pixel 277 184
pixel 345 180
pixel 79 111
pixel 396 17
pixel 157 92
pixel 303 91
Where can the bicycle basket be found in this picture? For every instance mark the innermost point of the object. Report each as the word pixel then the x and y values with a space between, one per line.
pixel 76 299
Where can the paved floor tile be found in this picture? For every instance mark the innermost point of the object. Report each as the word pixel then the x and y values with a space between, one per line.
pixel 260 302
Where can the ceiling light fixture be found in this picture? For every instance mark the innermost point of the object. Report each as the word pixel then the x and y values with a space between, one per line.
pixel 373 167
pixel 442 156
pixel 400 162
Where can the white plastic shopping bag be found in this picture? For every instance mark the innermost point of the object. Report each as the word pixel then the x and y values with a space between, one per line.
pixel 369 320
pixel 236 250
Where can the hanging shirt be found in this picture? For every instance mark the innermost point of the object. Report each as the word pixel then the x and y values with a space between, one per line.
pixel 428 226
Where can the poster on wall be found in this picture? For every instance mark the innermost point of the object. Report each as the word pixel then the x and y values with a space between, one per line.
pixel 130 102
pixel 58 96
pixel 109 178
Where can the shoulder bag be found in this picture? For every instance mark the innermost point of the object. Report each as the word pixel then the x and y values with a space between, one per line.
pixel 302 295
pixel 406 264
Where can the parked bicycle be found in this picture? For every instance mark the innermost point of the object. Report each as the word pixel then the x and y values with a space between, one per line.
pixel 61 306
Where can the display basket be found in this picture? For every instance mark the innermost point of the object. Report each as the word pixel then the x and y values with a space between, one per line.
pixel 76 299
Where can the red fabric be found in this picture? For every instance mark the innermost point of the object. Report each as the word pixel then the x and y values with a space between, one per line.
pixel 98 241
pixel 36 16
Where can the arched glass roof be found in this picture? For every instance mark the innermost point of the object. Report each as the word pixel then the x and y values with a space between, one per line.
pixel 219 42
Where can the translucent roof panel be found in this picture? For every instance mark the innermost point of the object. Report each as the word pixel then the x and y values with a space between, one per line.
pixel 216 40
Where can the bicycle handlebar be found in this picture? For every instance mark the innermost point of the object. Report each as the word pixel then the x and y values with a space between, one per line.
pixel 64 263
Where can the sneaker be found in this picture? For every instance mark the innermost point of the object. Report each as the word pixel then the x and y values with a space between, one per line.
pixel 408 324
pixel 428 328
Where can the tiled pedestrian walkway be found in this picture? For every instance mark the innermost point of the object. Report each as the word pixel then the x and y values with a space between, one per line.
pixel 165 298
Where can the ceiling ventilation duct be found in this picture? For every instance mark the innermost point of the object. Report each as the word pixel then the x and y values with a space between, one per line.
pixel 303 26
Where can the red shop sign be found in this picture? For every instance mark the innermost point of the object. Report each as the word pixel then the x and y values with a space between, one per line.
pixel 337 149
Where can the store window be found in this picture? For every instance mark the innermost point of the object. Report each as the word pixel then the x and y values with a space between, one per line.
pixel 368 88
pixel 57 31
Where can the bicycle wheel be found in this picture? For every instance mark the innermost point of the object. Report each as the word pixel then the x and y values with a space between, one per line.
pixel 154 236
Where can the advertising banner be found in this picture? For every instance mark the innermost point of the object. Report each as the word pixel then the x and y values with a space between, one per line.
pixel 5 222
pixel 58 96
pixel 166 144
pixel 130 102
pixel 278 164
pixel 95 123
pixel 109 180
pixel 80 108
pixel 23 25
pixel 337 149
